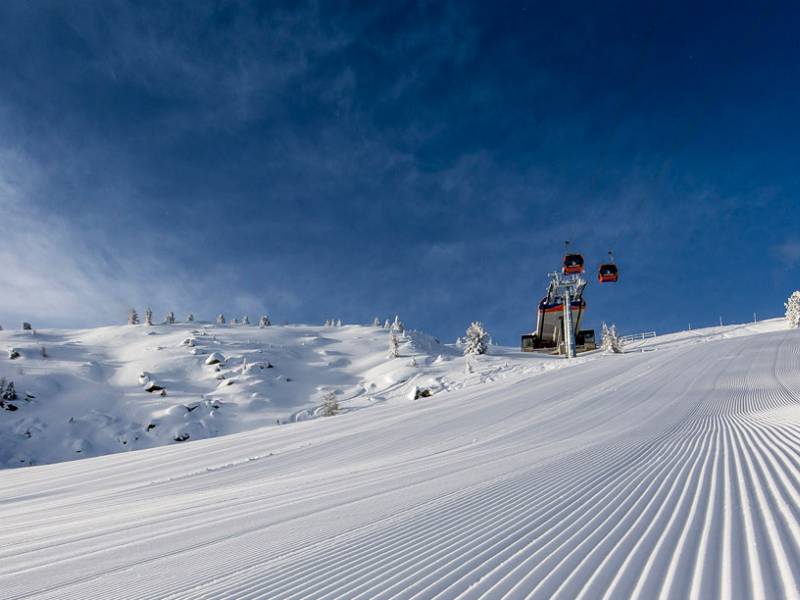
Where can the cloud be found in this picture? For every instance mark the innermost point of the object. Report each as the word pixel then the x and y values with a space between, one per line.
pixel 788 252
pixel 59 271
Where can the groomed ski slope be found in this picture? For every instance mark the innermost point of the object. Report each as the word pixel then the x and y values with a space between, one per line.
pixel 672 472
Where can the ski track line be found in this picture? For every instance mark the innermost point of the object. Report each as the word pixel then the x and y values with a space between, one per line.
pixel 671 474
pixel 288 578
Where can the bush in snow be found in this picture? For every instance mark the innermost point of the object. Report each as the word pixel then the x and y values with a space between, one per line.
pixel 611 341
pixel 26 326
pixel 793 309
pixel 13 353
pixel 133 317
pixel 330 405
pixel 169 319
pixel 477 339
pixel 264 321
pixel 220 319
pixel 148 316
pixel 190 318
pixel 44 352
pixel 394 346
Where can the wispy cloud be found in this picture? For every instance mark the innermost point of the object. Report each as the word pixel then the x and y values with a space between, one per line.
pixel 788 252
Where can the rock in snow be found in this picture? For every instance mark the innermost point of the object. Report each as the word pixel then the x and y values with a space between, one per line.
pixel 215 358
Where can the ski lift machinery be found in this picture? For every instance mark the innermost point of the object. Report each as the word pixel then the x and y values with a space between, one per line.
pixel 560 312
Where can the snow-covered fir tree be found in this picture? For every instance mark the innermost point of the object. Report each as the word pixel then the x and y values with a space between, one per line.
pixel 398 325
pixel 338 322
pixel 220 319
pixel 376 322
pixel 387 324
pixel 9 393
pixel 330 405
pixel 792 306
pixel 169 318
pixel 610 342
pixel 245 320
pixel 148 316
pixel 133 317
pixel 264 321
pixel 477 339
pixel 394 345
pixel 190 318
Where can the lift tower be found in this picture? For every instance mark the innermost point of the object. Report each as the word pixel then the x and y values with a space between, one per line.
pixel 567 287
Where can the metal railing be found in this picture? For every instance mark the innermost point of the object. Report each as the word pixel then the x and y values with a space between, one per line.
pixel 636 337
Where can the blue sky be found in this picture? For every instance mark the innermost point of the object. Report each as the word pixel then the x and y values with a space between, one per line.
pixel 316 160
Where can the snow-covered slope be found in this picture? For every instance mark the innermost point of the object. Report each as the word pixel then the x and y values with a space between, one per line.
pixel 671 471
pixel 86 394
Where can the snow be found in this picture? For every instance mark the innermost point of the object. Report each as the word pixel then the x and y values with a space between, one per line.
pixel 123 388
pixel 667 471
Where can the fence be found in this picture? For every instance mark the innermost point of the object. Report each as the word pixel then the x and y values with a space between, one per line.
pixel 635 337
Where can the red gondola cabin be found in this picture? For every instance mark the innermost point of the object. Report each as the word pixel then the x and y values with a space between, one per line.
pixel 608 273
pixel 573 263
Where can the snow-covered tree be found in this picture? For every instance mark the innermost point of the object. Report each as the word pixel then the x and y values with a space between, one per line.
pixel 133 317
pixel 330 405
pixel 190 318
pixel 477 339
pixel 148 316
pixel 169 319
pixel 220 319
pixel 9 393
pixel 338 322
pixel 398 325
pixel 394 345
pixel 793 309
pixel 376 322
pixel 245 320
pixel 235 320
pixel 387 324
pixel 610 342
pixel 264 321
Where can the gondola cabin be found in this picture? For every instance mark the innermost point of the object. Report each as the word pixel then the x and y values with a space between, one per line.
pixel 608 273
pixel 573 263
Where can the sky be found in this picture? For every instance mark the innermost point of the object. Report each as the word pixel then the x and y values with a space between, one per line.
pixel 428 159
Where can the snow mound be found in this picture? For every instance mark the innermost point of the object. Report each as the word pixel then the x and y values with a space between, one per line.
pixel 114 389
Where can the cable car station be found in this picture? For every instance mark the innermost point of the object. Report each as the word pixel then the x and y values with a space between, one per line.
pixel 560 312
